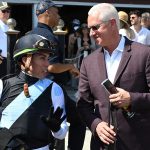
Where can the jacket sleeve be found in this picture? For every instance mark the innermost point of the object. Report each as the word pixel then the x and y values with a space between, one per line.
pixel 140 100
pixel 85 102
pixel 58 101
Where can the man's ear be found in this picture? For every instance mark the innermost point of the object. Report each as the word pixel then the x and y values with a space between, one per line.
pixel 26 61
pixel 47 13
pixel 22 62
pixel 113 21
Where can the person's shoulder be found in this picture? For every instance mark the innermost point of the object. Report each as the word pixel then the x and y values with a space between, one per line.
pixel 140 48
pixel 37 30
pixel 71 35
pixel 8 77
pixel 145 29
pixel 56 86
pixel 123 32
pixel 47 80
pixel 43 32
pixel 50 82
pixel 95 52
pixel 92 56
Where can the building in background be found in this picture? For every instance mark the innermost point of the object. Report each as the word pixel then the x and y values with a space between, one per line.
pixel 23 10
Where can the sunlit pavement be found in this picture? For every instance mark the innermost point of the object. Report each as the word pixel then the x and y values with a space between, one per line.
pixel 86 142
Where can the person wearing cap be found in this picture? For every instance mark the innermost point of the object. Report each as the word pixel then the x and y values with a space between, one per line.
pixel 48 18
pixel 32 106
pixel 72 39
pixel 142 34
pixel 4 16
pixel 125 29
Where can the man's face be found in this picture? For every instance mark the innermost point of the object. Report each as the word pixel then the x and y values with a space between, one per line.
pixel 101 31
pixel 4 15
pixel 134 19
pixel 38 65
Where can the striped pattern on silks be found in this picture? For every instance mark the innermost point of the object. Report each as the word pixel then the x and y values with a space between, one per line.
pixel 19 105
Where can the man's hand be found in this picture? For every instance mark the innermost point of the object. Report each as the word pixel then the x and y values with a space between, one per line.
pixel 54 120
pixel 74 71
pixel 105 133
pixel 121 99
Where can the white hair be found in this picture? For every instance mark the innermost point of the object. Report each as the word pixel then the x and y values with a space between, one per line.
pixel 105 12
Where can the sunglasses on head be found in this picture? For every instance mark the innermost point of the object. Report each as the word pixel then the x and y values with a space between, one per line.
pixel 6 11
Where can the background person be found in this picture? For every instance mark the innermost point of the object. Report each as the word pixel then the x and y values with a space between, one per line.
pixel 116 60
pixel 142 34
pixel 28 97
pixel 125 29
pixel 86 44
pixel 145 20
pixel 4 16
pixel 72 40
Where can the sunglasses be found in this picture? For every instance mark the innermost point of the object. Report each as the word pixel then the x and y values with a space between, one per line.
pixel 6 11
pixel 96 27
pixel 132 17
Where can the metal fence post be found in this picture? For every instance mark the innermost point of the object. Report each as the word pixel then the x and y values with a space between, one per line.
pixel 11 39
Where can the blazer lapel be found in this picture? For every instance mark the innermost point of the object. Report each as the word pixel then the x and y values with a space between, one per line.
pixel 101 65
pixel 124 60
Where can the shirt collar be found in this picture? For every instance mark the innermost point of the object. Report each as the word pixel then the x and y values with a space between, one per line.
pixel 120 46
pixel 42 25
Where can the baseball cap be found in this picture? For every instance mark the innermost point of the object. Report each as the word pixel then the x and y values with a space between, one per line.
pixel 3 5
pixel 43 5
pixel 75 24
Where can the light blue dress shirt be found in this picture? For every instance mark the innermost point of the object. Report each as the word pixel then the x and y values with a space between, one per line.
pixel 112 61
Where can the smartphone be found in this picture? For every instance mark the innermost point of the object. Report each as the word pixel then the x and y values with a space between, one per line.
pixel 109 86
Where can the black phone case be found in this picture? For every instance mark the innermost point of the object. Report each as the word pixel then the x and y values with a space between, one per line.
pixel 109 86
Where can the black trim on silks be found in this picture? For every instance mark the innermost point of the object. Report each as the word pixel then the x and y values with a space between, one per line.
pixel 5 137
pixel 17 144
